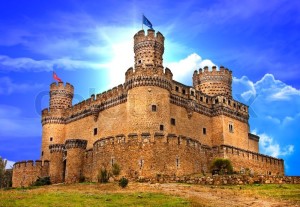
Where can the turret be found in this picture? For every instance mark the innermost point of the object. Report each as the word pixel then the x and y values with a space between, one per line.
pixel 61 95
pixel 148 49
pixel 214 82
pixel 75 156
pixel 53 119
pixel 57 167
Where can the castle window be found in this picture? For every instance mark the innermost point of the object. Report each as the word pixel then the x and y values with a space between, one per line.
pixel 201 98
pixel 141 163
pixel 140 61
pixel 192 93
pixel 153 107
pixel 204 131
pixel 173 121
pixel 216 101
pixel 177 162
pixel 206 100
pixel 42 153
pixel 230 127
pixel 95 131
pixel 112 161
pixel 51 139
pixel 161 127
pixel 183 91
pixel 176 88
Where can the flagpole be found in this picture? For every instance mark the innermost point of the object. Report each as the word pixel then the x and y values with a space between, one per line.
pixel 142 21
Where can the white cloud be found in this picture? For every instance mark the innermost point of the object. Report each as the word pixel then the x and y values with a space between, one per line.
pixel 7 86
pixel 270 147
pixel 183 69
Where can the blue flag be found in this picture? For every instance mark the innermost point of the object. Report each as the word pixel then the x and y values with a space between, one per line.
pixel 147 22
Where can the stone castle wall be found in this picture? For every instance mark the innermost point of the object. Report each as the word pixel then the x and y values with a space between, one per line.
pixel 26 173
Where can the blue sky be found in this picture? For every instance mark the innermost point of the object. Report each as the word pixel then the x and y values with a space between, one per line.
pixel 90 44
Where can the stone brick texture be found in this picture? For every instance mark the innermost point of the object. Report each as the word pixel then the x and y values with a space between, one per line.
pixel 150 125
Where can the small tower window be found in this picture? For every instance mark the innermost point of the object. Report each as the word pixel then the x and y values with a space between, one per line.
pixel 139 61
pixel 141 163
pixel 95 131
pixel 161 127
pixel 201 98
pixel 177 162
pixel 204 131
pixel 42 153
pixel 112 161
pixel 230 127
pixel 154 108
pixel 192 93
pixel 183 91
pixel 51 139
pixel 173 121
pixel 176 88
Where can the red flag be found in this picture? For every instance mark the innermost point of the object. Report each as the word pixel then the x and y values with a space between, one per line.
pixel 55 77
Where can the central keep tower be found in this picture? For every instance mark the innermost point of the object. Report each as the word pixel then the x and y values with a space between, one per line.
pixel 148 49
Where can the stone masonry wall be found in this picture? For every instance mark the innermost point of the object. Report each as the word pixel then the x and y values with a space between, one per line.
pixel 26 172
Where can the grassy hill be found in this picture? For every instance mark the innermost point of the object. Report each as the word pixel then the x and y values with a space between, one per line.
pixel 145 194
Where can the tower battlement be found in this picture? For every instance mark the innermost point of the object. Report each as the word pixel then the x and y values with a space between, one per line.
pixel 150 36
pixel 213 82
pixel 60 86
pixel 148 49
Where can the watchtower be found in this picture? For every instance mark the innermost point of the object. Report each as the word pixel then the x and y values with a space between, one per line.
pixel 214 82
pixel 148 49
pixel 61 96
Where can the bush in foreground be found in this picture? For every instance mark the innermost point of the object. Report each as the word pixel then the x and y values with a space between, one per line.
pixel 222 166
pixel 42 181
pixel 123 182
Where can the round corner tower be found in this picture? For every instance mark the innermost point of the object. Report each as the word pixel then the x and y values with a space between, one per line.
pixel 53 119
pixel 148 49
pixel 213 82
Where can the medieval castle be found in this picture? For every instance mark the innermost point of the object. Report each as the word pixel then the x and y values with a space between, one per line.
pixel 149 125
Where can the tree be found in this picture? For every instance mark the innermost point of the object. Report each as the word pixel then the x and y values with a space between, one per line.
pixel 2 171
pixel 222 166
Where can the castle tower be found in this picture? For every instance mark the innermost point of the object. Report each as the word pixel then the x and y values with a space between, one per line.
pixel 57 167
pixel 213 82
pixel 53 119
pixel 75 157
pixel 148 49
pixel 61 96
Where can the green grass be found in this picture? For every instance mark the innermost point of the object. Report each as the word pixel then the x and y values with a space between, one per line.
pixel 39 198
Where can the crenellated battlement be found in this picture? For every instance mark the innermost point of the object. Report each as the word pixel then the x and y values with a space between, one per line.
pixel 148 138
pixel 150 36
pixel 138 77
pixel 213 82
pixel 60 86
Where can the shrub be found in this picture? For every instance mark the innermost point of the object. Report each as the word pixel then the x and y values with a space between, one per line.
pixel 123 182
pixel 116 169
pixel 42 181
pixel 103 176
pixel 222 166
